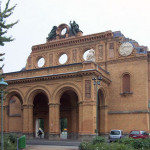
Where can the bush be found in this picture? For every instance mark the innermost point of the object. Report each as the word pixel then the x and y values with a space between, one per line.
pixel 13 138
pixel 141 144
pixel 99 143
pixel 10 142
pixel 120 146
pixel 84 145
pixel 98 139
pixel 126 141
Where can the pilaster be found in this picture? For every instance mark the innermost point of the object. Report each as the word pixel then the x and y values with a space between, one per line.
pixel 54 125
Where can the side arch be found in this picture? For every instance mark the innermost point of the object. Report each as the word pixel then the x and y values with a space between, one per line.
pixel 104 91
pixel 64 87
pixel 32 92
pixel 14 92
pixel 13 111
pixel 102 110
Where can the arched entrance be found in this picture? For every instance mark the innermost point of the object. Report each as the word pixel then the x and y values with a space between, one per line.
pixel 69 115
pixel 41 114
pixel 101 104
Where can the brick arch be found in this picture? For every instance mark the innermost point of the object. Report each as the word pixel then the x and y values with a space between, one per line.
pixel 104 94
pixel 126 82
pixel 64 87
pixel 32 92
pixel 14 92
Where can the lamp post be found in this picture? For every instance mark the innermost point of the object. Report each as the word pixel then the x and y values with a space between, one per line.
pixel 3 85
pixel 96 83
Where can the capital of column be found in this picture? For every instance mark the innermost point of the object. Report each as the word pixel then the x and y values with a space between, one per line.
pixel 85 102
pixel 27 106
pixel 54 104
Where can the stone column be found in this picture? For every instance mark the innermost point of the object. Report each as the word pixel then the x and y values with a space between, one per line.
pixel 103 119
pixel 87 120
pixel 54 121
pixel 25 119
pixel 30 121
pixel 6 121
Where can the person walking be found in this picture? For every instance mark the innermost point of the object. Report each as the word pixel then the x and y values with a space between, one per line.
pixel 40 132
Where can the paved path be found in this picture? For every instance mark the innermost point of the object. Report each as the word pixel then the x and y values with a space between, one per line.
pixel 52 143
pixel 47 147
pixel 43 144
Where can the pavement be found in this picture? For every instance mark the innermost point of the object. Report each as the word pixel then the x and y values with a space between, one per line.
pixel 43 144
pixel 48 147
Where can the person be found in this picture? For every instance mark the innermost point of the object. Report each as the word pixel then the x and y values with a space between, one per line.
pixel 40 133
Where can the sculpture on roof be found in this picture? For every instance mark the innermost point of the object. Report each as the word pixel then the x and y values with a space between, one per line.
pixel 74 28
pixel 91 55
pixel 52 34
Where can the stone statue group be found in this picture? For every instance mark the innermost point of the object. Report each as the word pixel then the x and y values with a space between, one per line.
pixel 74 29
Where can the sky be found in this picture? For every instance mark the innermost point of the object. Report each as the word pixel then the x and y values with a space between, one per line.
pixel 37 17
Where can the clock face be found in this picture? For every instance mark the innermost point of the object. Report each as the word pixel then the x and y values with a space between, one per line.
pixel 125 49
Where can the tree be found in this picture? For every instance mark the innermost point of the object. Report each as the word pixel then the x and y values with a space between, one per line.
pixel 4 27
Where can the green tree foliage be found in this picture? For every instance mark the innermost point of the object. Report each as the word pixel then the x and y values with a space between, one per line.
pixel 7 12
pixel 4 26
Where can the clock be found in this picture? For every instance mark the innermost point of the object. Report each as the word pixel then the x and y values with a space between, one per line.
pixel 125 49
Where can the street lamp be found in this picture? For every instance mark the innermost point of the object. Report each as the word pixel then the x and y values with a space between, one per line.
pixel 96 83
pixel 3 85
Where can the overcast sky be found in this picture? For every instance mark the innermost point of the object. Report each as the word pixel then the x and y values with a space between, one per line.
pixel 37 17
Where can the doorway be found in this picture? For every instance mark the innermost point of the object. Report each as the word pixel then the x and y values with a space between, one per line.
pixel 41 114
pixel 69 114
pixel 63 128
pixel 39 124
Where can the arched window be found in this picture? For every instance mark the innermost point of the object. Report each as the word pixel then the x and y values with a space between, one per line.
pixel 126 83
pixel 14 106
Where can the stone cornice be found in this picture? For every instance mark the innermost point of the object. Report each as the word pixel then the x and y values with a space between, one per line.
pixel 129 112
pixel 58 72
pixel 124 60
pixel 56 76
pixel 73 41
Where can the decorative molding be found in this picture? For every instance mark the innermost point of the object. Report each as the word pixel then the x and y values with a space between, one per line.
pixel 129 112
pixel 73 41
pixel 127 59
pixel 126 93
pixel 100 52
pixel 88 88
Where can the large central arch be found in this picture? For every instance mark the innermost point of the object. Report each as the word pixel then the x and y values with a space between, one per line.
pixel 37 100
pixel 69 114
pixel 41 114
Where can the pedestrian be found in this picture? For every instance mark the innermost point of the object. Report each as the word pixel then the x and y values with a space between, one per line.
pixel 40 133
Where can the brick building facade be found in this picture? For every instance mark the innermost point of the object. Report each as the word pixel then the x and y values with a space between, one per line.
pixel 55 90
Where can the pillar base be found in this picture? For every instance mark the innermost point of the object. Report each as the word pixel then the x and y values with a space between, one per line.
pixel 86 137
pixel 54 137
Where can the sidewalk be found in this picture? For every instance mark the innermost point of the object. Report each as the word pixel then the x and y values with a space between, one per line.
pixel 48 147
pixel 44 144
pixel 52 143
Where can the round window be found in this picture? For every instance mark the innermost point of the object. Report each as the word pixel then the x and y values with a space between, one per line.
pixel 63 59
pixel 41 62
pixel 63 32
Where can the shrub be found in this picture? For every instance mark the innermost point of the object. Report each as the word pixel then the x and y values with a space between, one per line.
pixel 12 138
pixel 126 141
pixel 141 144
pixel 84 145
pixel 120 146
pixel 98 139
pixel 10 142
